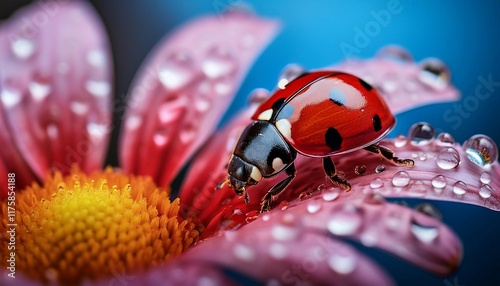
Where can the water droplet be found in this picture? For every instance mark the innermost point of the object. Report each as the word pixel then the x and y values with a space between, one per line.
pixel 421 133
pixel 10 97
pixel 160 138
pixel 401 179
pixel 313 206
pixel 53 131
pixel 481 150
pixel 23 48
pixel 445 139
pixel 244 253
pixel 425 234
pixel 288 74
pixel 96 58
pixel 258 96
pixel 278 251
pixel 79 108
pixel 283 232
pixel 219 62
pixel 201 105
pixel 345 222
pixel 459 188
pixel 376 183
pixel 448 158
pixel 283 205
pixel 266 217
pixel 389 86
pixel 342 264
pixel 429 210
pixel 39 90
pixel 439 182
pixel 133 122
pixel 98 88
pixel 177 71
pixel 422 156
pixel 369 238
pixel 331 195
pixel 97 131
pixel 485 191
pixel 360 169
pixel 434 73
pixel 379 169
pixel 485 178
pixel 400 141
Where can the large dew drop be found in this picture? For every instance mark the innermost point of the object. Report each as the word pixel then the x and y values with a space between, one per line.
pixel 448 158
pixel 485 191
pixel 439 182
pixel 421 133
pixel 481 150
pixel 425 234
pixel 342 264
pixel 459 188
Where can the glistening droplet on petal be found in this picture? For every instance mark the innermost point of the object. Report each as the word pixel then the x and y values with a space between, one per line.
pixel 439 182
pixel 448 158
pixel 376 183
pixel 360 169
pixel 345 221
pixel 485 177
pixel 445 139
pixel 485 191
pixel 401 179
pixel 421 133
pixel 342 264
pixel 219 62
pixel 176 71
pixel 481 150
pixel 459 188
pixel 425 234
pixel 400 141
pixel 23 48
pixel 379 169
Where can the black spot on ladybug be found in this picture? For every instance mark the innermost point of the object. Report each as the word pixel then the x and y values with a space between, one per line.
pixel 377 125
pixel 365 85
pixel 333 139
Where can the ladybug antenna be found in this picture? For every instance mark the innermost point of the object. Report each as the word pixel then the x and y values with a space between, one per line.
pixel 219 186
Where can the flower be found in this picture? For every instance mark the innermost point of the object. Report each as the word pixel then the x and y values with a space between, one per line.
pixel 117 227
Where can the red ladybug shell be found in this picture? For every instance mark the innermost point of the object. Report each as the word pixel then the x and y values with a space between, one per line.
pixel 326 112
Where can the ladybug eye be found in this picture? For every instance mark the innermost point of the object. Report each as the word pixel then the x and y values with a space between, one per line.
pixel 395 53
pixel 434 73
pixel 289 73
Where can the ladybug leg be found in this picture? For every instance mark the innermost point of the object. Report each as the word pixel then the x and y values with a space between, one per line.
pixel 277 189
pixel 331 172
pixel 388 154
pixel 241 192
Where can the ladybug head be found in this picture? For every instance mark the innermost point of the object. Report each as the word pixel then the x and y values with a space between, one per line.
pixel 242 174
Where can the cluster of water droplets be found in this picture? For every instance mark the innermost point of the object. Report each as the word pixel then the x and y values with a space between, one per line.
pixel 479 149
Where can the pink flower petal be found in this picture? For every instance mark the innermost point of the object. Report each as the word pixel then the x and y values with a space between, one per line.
pixel 404 83
pixel 55 87
pixel 184 87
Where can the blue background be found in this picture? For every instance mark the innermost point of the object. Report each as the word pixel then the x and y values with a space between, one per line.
pixel 464 34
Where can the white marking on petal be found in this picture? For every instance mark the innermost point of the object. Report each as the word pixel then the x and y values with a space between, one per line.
pixel 278 164
pixel 284 127
pixel 256 174
pixel 266 115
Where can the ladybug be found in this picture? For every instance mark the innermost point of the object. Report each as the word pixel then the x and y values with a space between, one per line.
pixel 318 114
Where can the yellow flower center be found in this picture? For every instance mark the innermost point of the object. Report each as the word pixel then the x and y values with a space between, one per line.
pixel 82 227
